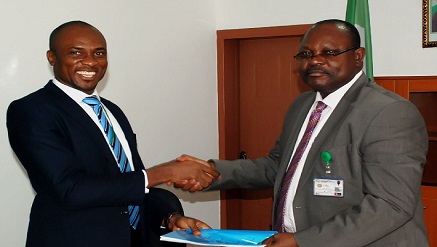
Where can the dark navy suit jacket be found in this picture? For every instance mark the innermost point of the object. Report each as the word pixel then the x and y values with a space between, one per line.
pixel 81 196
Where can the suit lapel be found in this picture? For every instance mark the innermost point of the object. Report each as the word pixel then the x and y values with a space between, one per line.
pixel 75 115
pixel 128 133
pixel 291 131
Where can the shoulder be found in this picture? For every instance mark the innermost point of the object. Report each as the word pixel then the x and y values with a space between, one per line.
pixel 49 95
pixel 378 91
pixel 375 97
pixel 30 102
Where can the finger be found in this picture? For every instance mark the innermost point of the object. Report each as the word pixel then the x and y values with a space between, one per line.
pixel 267 241
pixel 190 185
pixel 179 186
pixel 181 183
pixel 185 187
pixel 196 187
pixel 210 171
pixel 204 181
pixel 202 225
pixel 194 228
pixel 181 159
pixel 192 158
pixel 185 157
pixel 188 188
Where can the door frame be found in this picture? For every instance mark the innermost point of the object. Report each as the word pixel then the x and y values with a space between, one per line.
pixel 228 101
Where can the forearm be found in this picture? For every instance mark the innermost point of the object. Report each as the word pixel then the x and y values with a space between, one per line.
pixel 159 174
pixel 175 171
pixel 245 174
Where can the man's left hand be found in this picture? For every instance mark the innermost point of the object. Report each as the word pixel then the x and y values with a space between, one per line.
pixel 281 240
pixel 179 222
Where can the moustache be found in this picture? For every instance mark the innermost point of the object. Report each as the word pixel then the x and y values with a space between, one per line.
pixel 316 69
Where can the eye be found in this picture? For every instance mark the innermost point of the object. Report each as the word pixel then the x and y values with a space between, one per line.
pixel 100 53
pixel 75 53
pixel 330 53
pixel 304 54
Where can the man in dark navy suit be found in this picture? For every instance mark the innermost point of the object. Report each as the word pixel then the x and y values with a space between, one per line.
pixel 82 196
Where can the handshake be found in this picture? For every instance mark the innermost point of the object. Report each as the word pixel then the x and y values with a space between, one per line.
pixel 186 172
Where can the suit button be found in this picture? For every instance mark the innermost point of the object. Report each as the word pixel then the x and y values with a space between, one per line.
pixel 124 212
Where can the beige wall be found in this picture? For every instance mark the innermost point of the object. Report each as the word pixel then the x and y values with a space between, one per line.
pixel 396 27
pixel 162 72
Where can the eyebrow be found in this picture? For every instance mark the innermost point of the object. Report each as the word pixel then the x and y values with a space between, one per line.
pixel 80 48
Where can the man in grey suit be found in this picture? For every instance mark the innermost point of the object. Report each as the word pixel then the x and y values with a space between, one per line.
pixel 357 178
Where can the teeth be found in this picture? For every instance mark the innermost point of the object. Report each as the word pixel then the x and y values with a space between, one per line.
pixel 86 73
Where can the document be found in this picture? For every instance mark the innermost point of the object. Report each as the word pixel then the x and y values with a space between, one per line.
pixel 218 237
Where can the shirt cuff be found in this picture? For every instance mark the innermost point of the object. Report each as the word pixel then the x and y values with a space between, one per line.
pixel 146 182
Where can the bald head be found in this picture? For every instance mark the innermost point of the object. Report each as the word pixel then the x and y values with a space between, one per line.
pixel 349 30
pixel 56 32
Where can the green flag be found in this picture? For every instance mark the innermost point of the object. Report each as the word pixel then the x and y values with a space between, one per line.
pixel 357 13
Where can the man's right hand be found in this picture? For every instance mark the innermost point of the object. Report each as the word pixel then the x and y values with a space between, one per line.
pixel 192 185
pixel 194 172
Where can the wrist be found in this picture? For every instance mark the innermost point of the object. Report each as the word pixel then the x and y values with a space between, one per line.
pixel 158 174
pixel 211 164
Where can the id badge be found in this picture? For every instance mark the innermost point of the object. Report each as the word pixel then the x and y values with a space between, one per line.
pixel 332 187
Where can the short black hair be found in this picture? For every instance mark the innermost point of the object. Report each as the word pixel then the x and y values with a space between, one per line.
pixel 351 30
pixel 56 31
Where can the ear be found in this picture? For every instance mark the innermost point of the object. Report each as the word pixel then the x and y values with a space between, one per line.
pixel 51 57
pixel 359 56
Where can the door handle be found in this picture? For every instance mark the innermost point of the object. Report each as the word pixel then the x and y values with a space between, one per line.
pixel 243 155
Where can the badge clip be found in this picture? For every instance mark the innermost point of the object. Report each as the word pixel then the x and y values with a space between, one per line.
pixel 326 157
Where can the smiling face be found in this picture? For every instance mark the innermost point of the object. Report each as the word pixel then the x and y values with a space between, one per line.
pixel 78 56
pixel 327 74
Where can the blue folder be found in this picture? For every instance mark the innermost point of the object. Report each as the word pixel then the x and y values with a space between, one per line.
pixel 218 237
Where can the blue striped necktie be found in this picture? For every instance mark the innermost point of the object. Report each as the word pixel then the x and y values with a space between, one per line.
pixel 119 153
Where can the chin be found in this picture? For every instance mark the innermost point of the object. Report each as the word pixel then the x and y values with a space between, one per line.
pixel 316 83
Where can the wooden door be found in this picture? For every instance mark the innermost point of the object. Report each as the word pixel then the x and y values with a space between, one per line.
pixel 257 82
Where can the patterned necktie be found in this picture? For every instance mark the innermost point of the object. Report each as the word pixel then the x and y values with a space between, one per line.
pixel 285 185
pixel 114 142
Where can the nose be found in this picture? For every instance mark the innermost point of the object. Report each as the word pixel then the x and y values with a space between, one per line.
pixel 89 60
pixel 317 59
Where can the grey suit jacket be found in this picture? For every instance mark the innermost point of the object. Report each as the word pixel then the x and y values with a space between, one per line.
pixel 378 142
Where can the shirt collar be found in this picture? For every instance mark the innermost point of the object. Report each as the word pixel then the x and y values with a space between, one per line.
pixel 75 94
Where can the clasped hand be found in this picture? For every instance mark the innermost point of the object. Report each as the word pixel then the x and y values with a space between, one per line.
pixel 186 172
pixel 192 185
